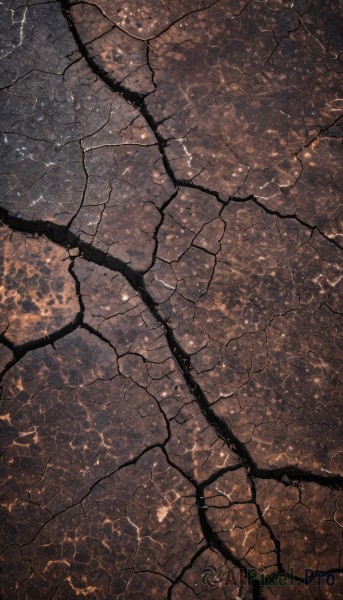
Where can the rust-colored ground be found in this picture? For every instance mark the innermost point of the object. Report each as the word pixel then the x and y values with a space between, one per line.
pixel 171 327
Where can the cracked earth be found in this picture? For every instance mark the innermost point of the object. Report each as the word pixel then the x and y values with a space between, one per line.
pixel 171 269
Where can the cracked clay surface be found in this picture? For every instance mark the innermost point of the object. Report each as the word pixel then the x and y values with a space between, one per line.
pixel 171 290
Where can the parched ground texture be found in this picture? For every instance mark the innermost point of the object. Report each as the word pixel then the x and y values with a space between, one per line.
pixel 171 283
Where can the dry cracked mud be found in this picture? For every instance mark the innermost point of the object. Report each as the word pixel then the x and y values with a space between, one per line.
pixel 171 284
